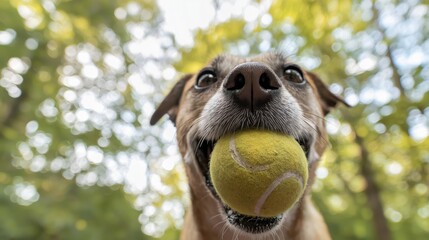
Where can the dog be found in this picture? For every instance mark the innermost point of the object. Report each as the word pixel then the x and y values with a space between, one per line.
pixel 233 93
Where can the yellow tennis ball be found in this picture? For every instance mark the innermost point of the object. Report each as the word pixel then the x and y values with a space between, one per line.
pixel 258 172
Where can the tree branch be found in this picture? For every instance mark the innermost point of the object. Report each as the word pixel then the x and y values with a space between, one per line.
pixel 396 75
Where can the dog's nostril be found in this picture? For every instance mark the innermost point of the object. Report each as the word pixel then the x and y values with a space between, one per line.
pixel 266 83
pixel 240 81
pixel 237 83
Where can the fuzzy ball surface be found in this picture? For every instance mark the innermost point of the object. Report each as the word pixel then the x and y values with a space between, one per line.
pixel 258 172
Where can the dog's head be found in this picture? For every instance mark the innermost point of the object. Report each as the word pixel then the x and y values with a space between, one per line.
pixel 233 93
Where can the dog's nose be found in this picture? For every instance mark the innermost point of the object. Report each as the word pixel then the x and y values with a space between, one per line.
pixel 252 83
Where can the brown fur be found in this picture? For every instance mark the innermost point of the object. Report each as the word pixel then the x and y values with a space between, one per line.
pixel 185 106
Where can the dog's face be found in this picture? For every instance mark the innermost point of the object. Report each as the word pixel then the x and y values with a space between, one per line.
pixel 233 93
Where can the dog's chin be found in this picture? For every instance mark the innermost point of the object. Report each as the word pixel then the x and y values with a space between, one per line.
pixel 248 224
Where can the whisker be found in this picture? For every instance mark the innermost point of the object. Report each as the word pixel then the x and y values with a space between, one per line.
pixel 235 236
pixel 224 229
pixel 317 130
pixel 308 112
pixel 220 222
pixel 314 126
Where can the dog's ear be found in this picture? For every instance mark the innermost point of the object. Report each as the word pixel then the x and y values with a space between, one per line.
pixel 329 100
pixel 170 103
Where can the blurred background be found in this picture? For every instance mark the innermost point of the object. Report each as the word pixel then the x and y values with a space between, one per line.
pixel 79 81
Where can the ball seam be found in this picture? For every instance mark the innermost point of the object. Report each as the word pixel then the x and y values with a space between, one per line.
pixel 241 161
pixel 273 185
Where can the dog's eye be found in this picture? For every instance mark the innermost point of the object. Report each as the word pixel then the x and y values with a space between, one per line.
pixel 206 78
pixel 294 74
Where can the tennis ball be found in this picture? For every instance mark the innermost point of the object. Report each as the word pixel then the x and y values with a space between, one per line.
pixel 258 172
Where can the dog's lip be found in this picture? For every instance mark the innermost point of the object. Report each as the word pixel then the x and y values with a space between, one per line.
pixel 203 149
pixel 252 224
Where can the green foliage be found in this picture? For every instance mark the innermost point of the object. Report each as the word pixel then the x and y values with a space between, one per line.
pixel 57 208
pixel 66 211
pixel 210 43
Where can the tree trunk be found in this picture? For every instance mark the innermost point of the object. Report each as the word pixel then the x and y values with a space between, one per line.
pixel 372 193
